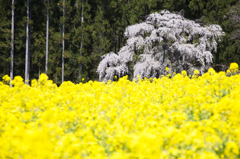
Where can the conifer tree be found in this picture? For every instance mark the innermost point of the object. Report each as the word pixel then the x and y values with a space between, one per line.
pixel 5 37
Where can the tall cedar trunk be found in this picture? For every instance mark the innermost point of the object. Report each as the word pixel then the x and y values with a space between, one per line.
pixel 29 42
pixel 12 43
pixel 27 48
pixel 47 36
pixel 82 19
pixel 63 41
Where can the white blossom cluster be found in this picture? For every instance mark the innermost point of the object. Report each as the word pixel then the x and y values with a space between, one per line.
pixel 187 45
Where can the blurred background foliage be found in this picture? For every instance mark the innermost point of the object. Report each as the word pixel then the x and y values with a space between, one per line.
pixel 102 29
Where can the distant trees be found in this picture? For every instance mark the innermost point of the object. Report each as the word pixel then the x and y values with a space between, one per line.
pixel 5 37
pixel 187 44
pixel 216 12
pixel 234 17
pixel 100 32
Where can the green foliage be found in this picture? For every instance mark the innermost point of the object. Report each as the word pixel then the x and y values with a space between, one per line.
pixel 103 27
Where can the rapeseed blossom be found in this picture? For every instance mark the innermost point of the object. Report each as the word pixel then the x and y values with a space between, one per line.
pixel 196 72
pixel 184 73
pixel 233 67
pixel 6 78
pixel 178 117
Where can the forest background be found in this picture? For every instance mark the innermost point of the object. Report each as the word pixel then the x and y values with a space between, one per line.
pixel 81 31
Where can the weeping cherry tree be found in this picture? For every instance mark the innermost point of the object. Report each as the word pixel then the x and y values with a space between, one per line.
pixel 163 40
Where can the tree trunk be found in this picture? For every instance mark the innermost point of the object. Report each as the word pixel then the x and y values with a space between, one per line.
pixel 63 41
pixel 47 36
pixel 164 48
pixel 82 19
pixel 27 48
pixel 29 42
pixel 12 43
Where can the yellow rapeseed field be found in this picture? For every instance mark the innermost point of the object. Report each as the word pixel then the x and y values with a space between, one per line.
pixel 179 117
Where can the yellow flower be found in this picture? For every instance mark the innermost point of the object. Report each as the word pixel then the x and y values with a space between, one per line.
pixel 82 79
pixel 43 79
pixel 18 81
pixel 211 71
pixel 196 72
pixel 34 83
pixel 167 68
pixel 228 72
pixel 123 119
pixel 233 67
pixel 6 78
pixel 184 73
pixel 138 77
